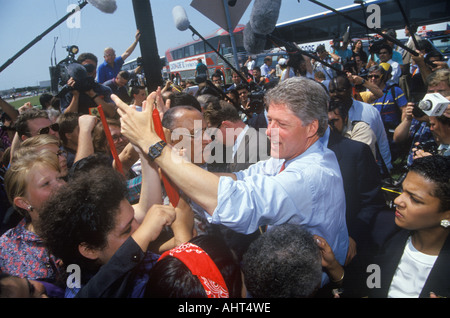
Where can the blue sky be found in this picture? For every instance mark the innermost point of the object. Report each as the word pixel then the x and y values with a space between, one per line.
pixel 21 21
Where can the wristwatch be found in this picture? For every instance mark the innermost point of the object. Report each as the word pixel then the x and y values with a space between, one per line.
pixel 155 150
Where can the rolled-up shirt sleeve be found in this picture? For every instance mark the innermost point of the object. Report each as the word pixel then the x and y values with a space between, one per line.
pixel 308 192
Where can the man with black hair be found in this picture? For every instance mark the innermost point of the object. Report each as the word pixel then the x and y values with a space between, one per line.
pixel 216 79
pixel 184 99
pixel 285 262
pixel 236 79
pixel 374 57
pixel 118 86
pixel 244 144
pixel 385 54
pixel 85 93
pixel 340 90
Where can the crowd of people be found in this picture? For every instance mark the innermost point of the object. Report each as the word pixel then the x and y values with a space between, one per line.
pixel 270 186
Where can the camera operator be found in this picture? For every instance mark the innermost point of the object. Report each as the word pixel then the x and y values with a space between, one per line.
pixel 84 93
pixel 375 48
pixel 329 58
pixel 425 132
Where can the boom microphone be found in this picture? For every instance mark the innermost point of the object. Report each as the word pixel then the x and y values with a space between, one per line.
pixel 106 6
pixel 264 16
pixel 253 43
pixel 180 18
pixel 263 19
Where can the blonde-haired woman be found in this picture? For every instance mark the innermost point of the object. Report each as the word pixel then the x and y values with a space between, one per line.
pixel 31 179
pixel 45 141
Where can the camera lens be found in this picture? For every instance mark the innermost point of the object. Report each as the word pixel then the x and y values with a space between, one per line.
pixel 425 105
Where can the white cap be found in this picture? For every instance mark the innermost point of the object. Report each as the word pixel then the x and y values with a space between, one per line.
pixel 282 61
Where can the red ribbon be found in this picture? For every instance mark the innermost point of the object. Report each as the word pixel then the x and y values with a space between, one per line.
pixel 171 189
pixel 112 147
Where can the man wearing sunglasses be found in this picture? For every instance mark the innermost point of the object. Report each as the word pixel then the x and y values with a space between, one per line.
pixel 391 105
pixel 35 122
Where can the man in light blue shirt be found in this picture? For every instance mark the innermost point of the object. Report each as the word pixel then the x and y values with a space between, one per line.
pixel 340 89
pixel 309 191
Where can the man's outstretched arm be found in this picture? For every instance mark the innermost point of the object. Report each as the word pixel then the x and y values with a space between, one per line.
pixel 197 183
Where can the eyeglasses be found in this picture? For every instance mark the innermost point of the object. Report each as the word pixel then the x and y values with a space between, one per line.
pixel 117 137
pixel 196 135
pixel 46 130
pixel 373 76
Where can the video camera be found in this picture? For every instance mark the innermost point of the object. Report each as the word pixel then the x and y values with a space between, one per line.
pixel 68 68
pixel 256 103
pixel 375 45
pixel 428 146
pixel 433 104
pixel 59 73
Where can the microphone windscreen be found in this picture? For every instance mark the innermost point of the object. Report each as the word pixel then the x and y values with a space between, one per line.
pixel 180 18
pixel 106 6
pixel 264 16
pixel 253 43
pixel 346 36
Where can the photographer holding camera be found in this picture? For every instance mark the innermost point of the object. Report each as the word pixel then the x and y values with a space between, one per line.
pixel 375 48
pixel 84 94
pixel 428 135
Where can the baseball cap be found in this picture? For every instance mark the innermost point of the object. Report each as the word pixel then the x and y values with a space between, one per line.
pixel 282 61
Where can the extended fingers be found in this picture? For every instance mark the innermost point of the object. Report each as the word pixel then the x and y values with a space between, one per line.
pixel 121 106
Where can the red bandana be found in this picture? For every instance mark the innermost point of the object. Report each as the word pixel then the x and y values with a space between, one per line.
pixel 202 266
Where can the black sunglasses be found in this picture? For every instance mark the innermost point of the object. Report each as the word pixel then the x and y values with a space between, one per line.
pixel 46 130
pixel 373 76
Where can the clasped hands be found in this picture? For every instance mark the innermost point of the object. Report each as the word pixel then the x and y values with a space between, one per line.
pixel 138 126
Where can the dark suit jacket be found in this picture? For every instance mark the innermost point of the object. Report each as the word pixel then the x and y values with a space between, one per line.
pixel 438 280
pixel 258 121
pixel 362 186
